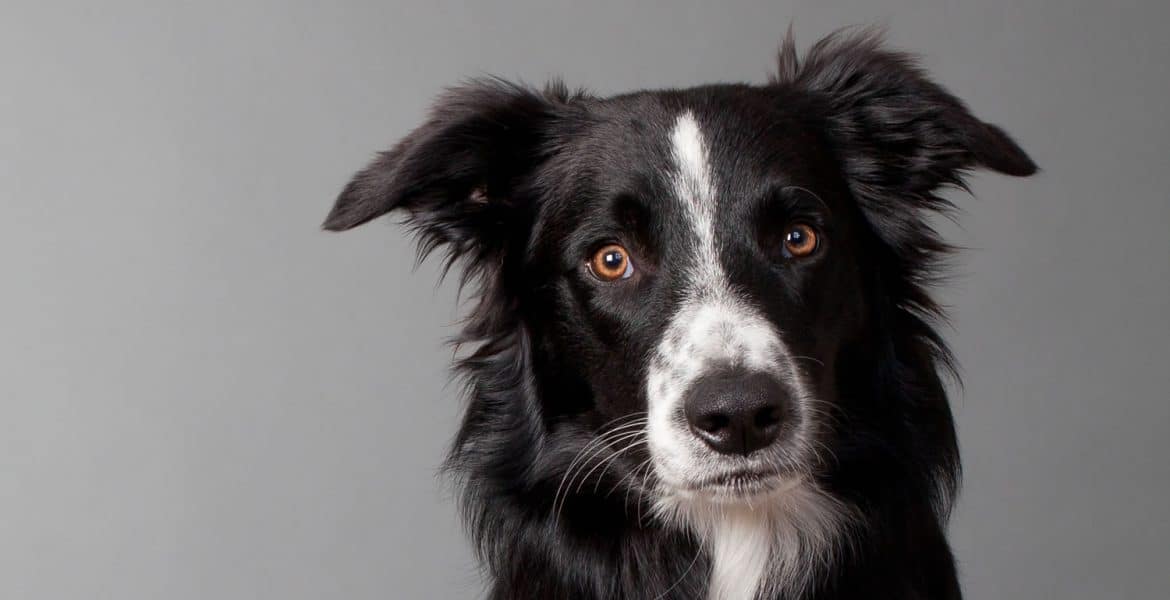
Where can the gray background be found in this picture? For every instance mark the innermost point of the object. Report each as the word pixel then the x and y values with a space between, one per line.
pixel 203 396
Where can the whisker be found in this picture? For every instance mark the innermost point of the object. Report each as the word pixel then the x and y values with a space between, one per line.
pixel 599 445
pixel 682 577
pixel 642 490
pixel 609 462
pixel 809 358
pixel 623 438
pixel 632 473
pixel 595 442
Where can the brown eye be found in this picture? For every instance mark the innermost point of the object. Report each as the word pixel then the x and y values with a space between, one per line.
pixel 800 240
pixel 611 263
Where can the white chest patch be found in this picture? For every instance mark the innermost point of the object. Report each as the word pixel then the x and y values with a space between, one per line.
pixel 776 544
pixel 741 548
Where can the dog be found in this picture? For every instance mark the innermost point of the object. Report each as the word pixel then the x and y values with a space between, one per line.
pixel 702 359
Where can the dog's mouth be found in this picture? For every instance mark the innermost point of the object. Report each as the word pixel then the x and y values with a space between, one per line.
pixel 742 485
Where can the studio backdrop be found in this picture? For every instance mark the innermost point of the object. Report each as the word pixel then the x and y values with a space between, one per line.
pixel 203 395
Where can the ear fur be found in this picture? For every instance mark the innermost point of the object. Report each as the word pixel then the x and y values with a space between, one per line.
pixel 459 177
pixel 897 130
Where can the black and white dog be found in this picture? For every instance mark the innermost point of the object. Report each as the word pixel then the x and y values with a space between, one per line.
pixel 704 361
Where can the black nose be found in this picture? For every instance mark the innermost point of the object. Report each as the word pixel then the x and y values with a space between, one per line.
pixel 736 412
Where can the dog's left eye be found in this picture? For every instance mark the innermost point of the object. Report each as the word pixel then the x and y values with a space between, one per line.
pixel 611 263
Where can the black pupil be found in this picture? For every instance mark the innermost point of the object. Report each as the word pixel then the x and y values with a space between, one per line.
pixel 612 259
pixel 796 237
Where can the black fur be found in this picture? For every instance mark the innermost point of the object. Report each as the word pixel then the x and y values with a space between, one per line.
pixel 517 186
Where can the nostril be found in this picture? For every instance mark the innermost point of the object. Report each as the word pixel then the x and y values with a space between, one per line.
pixel 767 416
pixel 712 423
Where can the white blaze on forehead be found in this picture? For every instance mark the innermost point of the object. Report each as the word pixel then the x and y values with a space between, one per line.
pixel 693 187
pixel 690 158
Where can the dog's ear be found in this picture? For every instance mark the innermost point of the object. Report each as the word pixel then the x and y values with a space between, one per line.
pixel 460 177
pixel 895 129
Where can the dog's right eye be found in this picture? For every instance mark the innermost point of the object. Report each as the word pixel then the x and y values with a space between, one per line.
pixel 611 263
pixel 800 240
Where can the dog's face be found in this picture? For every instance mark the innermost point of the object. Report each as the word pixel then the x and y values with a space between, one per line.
pixel 683 282
pixel 698 259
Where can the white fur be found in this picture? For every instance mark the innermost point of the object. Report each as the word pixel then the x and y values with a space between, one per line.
pixel 741 546
pixel 776 543
pixel 785 530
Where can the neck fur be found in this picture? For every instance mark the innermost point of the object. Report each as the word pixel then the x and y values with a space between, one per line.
pixel 776 545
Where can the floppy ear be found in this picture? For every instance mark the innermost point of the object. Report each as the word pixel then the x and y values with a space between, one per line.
pixel 899 134
pixel 460 177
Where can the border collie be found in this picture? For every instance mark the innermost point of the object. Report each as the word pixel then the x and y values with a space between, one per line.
pixel 702 360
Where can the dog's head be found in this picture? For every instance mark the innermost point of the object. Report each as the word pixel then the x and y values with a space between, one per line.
pixel 724 280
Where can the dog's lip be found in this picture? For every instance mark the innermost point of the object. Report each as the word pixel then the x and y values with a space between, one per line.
pixel 737 477
pixel 743 482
